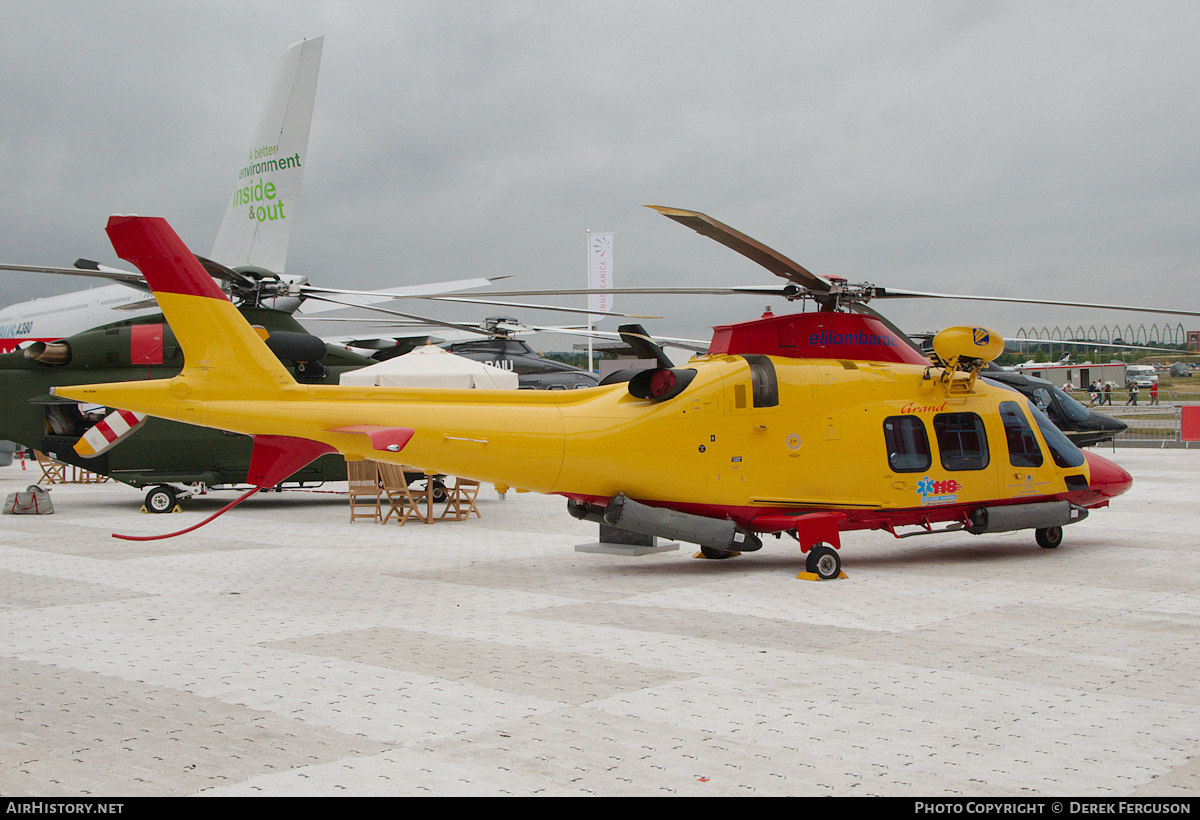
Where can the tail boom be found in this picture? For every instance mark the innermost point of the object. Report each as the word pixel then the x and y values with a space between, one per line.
pixel 231 381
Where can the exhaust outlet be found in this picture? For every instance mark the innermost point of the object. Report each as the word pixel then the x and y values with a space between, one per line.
pixel 51 353
pixel 585 512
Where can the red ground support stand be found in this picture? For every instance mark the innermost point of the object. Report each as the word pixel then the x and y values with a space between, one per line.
pixel 1190 423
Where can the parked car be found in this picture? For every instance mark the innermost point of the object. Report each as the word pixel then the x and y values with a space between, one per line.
pixel 1143 375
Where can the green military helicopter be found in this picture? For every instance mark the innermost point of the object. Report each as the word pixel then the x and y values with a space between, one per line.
pixel 174 461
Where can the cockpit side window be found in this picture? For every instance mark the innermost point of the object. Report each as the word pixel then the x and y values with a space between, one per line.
pixel 1023 449
pixel 961 440
pixel 907 444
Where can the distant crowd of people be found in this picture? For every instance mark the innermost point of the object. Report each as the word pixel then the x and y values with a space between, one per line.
pixel 1101 393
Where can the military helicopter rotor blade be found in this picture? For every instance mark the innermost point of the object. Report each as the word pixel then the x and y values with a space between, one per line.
pixel 695 345
pixel 413 317
pixel 401 292
pixel 558 308
pixel 90 269
pixel 87 267
pixel 237 281
pixel 317 292
pixel 419 324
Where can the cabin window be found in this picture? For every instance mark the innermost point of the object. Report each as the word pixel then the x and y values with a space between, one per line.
pixel 961 441
pixel 907 444
pixel 1023 449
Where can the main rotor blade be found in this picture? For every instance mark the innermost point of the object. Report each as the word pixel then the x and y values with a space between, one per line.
pixel 366 298
pixel 409 291
pixel 533 307
pixel 752 249
pixel 133 280
pixel 695 345
pixel 86 267
pixel 1025 341
pixel 424 319
pixel 225 274
pixel 891 293
pixel 753 290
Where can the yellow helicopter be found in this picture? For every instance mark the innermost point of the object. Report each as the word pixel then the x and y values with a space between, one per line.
pixel 808 424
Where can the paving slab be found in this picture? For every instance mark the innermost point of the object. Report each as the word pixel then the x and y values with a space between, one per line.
pixel 282 650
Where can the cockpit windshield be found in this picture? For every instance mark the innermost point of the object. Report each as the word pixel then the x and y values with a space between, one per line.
pixel 1056 402
pixel 1064 452
pixel 1072 408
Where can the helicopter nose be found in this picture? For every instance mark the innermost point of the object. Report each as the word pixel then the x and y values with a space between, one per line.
pixel 1111 423
pixel 1108 480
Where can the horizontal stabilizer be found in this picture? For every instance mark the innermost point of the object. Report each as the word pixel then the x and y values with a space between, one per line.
pixel 391 439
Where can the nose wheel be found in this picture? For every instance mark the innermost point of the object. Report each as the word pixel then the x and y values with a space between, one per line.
pixel 1049 537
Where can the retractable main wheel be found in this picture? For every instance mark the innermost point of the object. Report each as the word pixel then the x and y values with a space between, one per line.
pixel 1049 537
pixel 161 499
pixel 439 492
pixel 824 562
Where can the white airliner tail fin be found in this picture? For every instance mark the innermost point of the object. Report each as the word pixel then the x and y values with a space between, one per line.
pixel 255 229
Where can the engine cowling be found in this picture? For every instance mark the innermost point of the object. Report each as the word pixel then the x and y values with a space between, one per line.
pixel 721 534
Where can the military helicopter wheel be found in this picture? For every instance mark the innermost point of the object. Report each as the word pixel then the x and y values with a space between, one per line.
pixel 716 554
pixel 161 499
pixel 824 562
pixel 1049 537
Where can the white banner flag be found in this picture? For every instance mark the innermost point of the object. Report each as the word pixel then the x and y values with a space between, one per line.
pixel 600 273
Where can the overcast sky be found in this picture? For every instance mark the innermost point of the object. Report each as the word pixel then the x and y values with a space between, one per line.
pixel 1003 148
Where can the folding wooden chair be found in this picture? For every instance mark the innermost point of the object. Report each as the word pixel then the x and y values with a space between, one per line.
pixel 53 472
pixel 83 476
pixel 403 502
pixel 460 499
pixel 363 479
